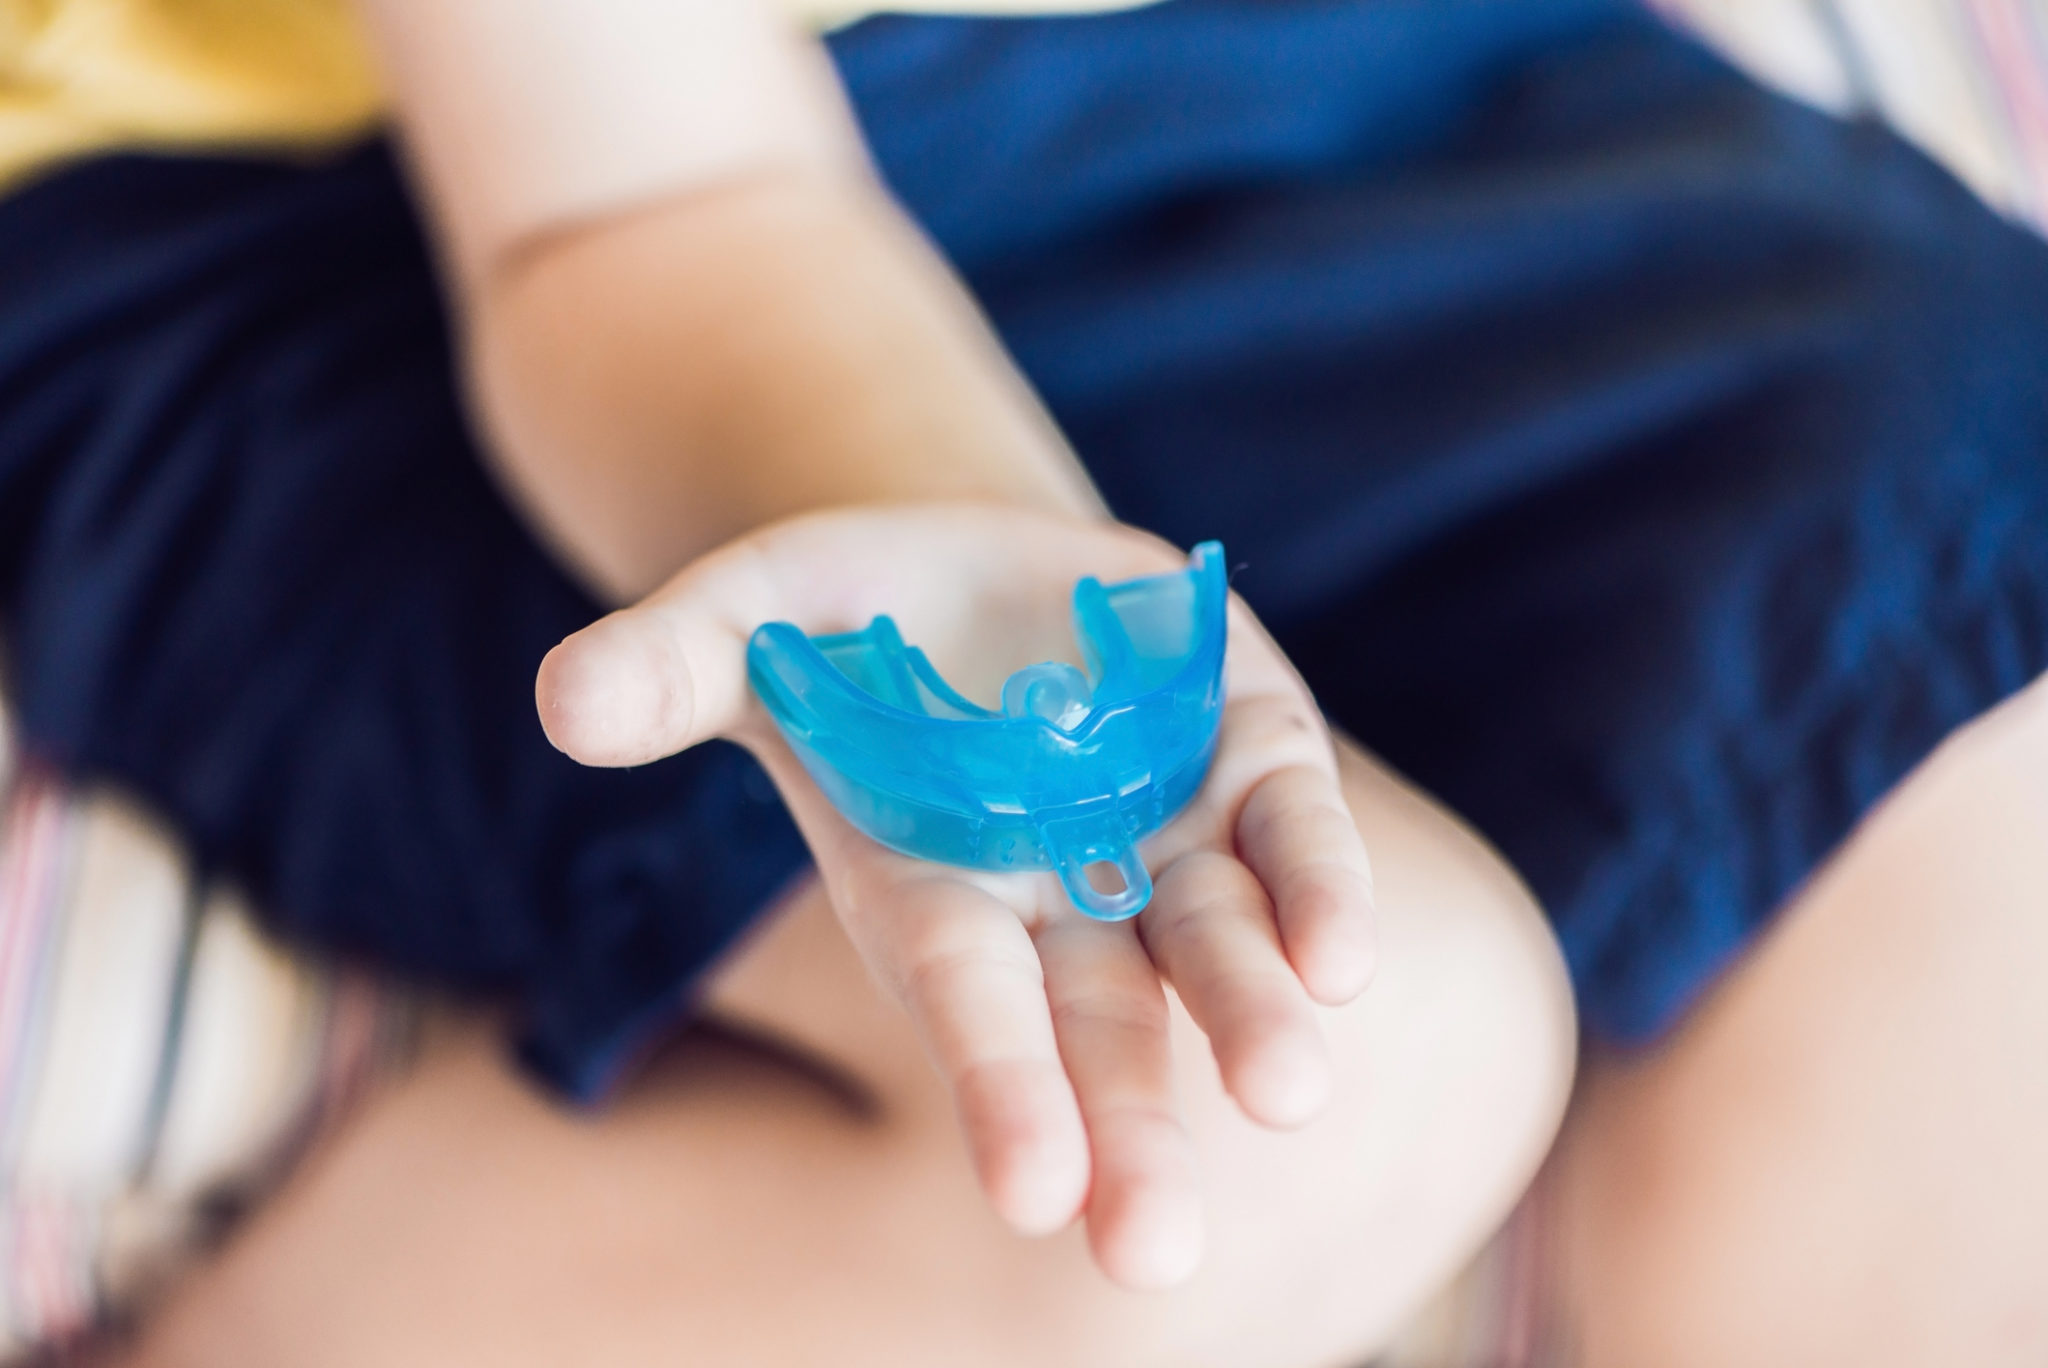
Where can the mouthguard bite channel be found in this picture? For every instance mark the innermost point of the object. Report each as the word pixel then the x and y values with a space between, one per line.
pixel 1069 775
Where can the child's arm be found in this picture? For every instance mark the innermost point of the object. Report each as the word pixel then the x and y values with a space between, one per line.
pixel 690 314
pixel 687 307
pixel 1050 1030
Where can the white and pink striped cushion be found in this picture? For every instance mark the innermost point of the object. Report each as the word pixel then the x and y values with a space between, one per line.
pixel 1966 79
pixel 160 1060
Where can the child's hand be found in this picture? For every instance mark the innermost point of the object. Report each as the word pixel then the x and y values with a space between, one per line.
pixel 1050 1029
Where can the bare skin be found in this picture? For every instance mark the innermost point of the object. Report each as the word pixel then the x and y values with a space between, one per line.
pixel 1835 1161
pixel 1838 1160
pixel 724 377
pixel 733 1208
pixel 1051 1030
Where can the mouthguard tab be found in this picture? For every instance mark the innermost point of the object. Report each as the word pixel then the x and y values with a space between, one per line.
pixel 1072 772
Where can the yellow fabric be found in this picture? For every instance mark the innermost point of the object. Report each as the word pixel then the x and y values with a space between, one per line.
pixel 80 76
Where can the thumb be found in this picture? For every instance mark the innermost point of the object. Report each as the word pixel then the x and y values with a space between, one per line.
pixel 664 674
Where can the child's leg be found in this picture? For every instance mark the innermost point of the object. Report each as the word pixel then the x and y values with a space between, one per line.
pixel 1840 1158
pixel 733 1211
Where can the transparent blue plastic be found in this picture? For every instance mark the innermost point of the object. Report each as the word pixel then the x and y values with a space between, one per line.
pixel 1073 770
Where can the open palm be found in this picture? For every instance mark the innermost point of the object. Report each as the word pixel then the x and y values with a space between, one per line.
pixel 1050 1029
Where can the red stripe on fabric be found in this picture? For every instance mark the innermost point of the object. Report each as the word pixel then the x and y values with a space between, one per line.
pixel 16 818
pixel 49 1276
pixel 40 1281
pixel 353 1044
pixel 34 837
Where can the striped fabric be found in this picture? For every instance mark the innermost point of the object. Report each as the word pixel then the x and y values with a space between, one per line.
pixel 1966 79
pixel 161 1062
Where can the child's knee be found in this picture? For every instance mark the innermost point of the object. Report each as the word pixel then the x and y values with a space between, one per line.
pixel 1468 953
pixel 1453 1072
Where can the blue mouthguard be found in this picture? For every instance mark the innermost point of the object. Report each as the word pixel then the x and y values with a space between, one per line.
pixel 1073 771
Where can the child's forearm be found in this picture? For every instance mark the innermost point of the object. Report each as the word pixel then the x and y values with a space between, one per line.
pixel 687 307
pixel 657 383
pixel 526 117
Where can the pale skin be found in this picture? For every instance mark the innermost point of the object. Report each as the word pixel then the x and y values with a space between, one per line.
pixel 1834 1162
pixel 1212 1100
pixel 833 364
pixel 1049 1030
pixel 735 1209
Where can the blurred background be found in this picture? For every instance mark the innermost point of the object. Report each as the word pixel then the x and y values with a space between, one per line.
pixel 161 1062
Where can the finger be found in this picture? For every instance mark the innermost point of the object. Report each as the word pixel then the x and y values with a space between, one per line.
pixel 1263 732
pixel 965 968
pixel 1210 931
pixel 664 674
pixel 670 671
pixel 1297 835
pixel 963 965
pixel 1109 1013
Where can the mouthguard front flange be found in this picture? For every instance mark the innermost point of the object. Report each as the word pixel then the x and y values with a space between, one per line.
pixel 1073 770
